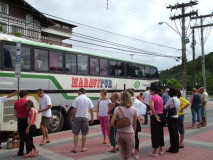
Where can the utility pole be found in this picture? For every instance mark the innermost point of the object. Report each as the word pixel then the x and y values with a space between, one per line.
pixel 193 56
pixel 202 44
pixel 183 37
pixel 107 4
pixel 132 56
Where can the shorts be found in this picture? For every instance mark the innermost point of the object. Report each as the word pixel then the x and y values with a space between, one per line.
pixel 80 124
pixel 44 120
pixel 203 111
pixel 181 124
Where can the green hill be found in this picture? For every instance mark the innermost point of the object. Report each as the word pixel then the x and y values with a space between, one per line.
pixel 176 72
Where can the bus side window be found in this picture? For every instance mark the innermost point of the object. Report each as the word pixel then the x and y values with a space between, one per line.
pixel 82 64
pixel 71 63
pixel 103 67
pixel 94 66
pixel 141 72
pixel 112 67
pixel 7 58
pixel 55 61
pixel 147 71
pixel 120 69
pixel 40 60
pixel 154 72
pixel 10 57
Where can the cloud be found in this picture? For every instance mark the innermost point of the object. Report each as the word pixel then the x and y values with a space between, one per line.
pixel 137 19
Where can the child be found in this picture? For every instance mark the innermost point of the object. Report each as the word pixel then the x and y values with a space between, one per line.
pixel 31 128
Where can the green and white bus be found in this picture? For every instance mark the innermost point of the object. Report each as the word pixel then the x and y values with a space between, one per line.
pixel 60 72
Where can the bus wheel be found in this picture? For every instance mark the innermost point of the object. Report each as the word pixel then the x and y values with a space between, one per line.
pixel 56 122
pixel 69 120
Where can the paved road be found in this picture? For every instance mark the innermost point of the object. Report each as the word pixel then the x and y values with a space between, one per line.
pixel 198 145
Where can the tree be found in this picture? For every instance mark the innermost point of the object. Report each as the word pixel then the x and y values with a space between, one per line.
pixel 209 79
pixel 173 83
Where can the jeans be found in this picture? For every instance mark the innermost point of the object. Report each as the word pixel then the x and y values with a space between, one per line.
pixel 181 124
pixel 112 135
pixel 196 110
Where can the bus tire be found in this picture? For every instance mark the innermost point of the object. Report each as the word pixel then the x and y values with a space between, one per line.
pixel 56 122
pixel 69 120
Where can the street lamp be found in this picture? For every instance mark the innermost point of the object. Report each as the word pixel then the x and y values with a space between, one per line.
pixel 183 41
pixel 160 23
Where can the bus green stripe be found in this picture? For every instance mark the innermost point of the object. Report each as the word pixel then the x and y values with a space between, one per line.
pixel 52 78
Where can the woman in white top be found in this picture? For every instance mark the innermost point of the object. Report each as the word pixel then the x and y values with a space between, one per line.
pixel 172 121
pixel 102 110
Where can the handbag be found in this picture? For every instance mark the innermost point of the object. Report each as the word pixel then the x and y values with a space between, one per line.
pixel 171 111
pixel 122 122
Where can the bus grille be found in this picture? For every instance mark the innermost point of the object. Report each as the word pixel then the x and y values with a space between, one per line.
pixel 8 111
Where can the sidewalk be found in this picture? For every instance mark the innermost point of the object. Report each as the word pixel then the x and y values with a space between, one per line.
pixel 198 144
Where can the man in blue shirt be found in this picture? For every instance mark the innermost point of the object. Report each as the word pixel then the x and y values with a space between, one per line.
pixel 165 96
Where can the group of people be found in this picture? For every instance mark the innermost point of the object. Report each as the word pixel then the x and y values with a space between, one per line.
pixel 166 109
pixel 26 115
pixel 125 139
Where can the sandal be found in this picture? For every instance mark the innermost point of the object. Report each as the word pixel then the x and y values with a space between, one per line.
pixel 84 150
pixel 181 146
pixel 73 151
pixel 28 155
pixel 160 153
pixel 113 151
pixel 48 141
pixel 153 155
pixel 42 143
pixel 35 152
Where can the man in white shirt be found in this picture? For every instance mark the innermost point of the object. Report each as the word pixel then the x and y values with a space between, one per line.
pixel 204 100
pixel 2 100
pixel 81 105
pixel 45 106
pixel 146 100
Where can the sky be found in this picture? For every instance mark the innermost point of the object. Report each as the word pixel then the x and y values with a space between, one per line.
pixel 137 22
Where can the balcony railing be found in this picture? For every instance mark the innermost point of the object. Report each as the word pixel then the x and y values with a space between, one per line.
pixel 29 34
pixel 26 29
pixel 56 43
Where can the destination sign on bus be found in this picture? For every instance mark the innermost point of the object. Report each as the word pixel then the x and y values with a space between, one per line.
pixel 91 83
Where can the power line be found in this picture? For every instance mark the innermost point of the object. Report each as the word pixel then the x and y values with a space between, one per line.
pixel 146 52
pixel 112 33
pixel 113 51
pixel 108 42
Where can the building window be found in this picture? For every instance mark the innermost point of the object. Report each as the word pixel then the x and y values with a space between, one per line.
pixel 3 27
pixel 17 30
pixel 3 8
pixel 44 37
pixel 65 27
pixel 32 33
pixel 41 60
pixel 57 25
pixel 71 63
